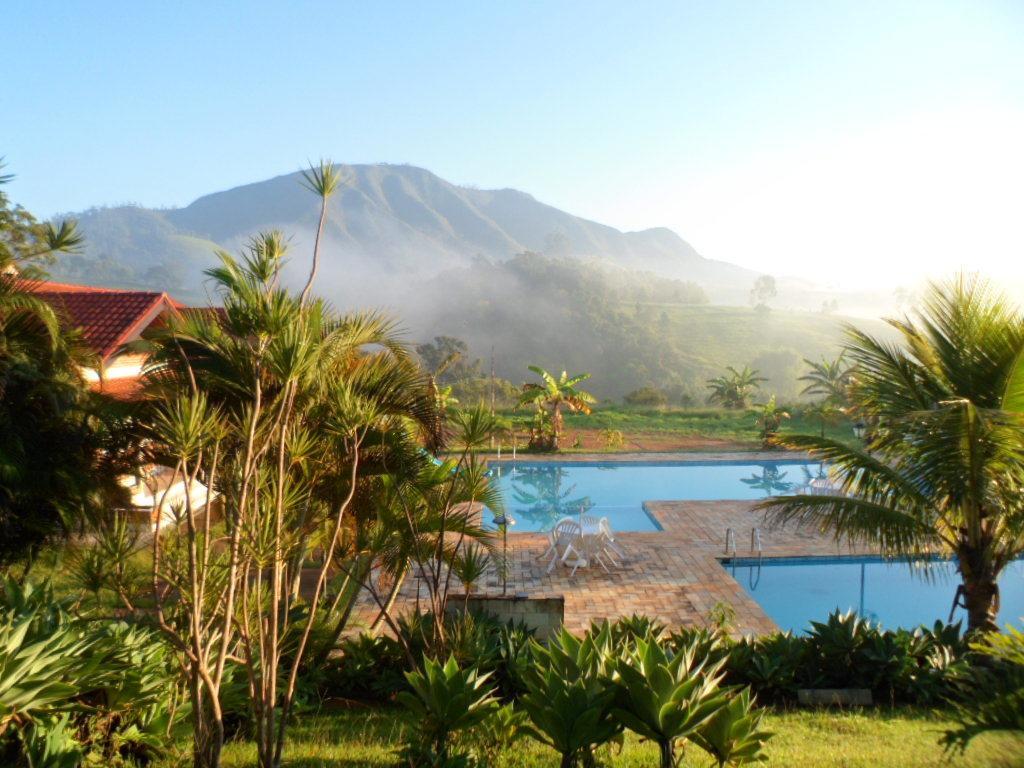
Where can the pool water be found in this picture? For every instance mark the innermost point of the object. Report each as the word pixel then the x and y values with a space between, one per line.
pixel 893 593
pixel 539 494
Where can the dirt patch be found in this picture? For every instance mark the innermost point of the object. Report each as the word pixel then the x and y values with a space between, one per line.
pixel 592 440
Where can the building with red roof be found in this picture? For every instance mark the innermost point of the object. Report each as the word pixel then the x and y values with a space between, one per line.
pixel 108 318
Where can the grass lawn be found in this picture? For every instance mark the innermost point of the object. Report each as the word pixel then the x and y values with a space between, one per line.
pixel 804 739
pixel 674 429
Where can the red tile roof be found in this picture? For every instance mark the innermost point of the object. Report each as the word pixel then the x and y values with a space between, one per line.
pixel 108 317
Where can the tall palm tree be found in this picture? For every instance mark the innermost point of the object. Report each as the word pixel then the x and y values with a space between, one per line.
pixel 556 394
pixel 944 467
pixel 736 389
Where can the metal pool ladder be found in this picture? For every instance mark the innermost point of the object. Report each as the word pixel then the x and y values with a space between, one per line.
pixel 755 542
pixel 730 540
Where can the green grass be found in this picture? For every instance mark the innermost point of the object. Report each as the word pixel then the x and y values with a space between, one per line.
pixel 803 739
pixel 689 425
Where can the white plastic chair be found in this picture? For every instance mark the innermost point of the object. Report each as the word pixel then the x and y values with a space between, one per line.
pixel 609 538
pixel 565 533
pixel 553 539
pixel 586 550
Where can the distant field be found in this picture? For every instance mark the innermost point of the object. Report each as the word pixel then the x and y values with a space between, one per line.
pixel 672 429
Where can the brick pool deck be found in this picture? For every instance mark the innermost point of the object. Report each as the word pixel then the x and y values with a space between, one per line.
pixel 674 574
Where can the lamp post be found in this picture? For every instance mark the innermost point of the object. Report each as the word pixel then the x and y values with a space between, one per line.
pixel 503 521
pixel 859 428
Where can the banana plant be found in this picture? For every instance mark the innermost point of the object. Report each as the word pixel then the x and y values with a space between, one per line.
pixel 666 697
pixel 733 736
pixel 568 698
pixel 446 700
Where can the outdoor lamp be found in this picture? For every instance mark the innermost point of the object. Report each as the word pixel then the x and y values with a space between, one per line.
pixel 503 521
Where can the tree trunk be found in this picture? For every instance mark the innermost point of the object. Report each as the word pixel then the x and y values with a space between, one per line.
pixel 981 599
pixel 981 590
pixel 389 603
pixel 667 753
pixel 556 425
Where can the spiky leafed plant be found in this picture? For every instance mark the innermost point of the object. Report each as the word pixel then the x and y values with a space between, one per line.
pixel 944 466
pixel 283 407
pixel 444 701
pixel 735 389
pixel 666 696
pixel 556 394
pixel 430 517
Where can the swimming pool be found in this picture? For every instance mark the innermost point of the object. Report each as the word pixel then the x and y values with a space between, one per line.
pixel 894 593
pixel 538 494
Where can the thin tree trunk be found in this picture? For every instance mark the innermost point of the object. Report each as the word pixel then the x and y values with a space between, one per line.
pixel 389 603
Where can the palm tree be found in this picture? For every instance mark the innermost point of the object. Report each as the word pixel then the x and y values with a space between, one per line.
pixel 829 379
pixel 736 389
pixel 556 394
pixel 944 465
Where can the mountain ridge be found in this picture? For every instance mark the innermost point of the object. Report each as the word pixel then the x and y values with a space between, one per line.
pixel 402 218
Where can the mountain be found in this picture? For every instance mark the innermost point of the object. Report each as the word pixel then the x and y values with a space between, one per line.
pixel 395 221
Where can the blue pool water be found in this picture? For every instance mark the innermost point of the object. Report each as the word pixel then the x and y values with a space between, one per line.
pixel 894 593
pixel 539 494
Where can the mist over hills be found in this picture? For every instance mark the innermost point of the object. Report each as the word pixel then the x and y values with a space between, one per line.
pixel 395 218
pixel 497 268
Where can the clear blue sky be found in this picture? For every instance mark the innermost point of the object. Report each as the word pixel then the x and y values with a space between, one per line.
pixel 757 130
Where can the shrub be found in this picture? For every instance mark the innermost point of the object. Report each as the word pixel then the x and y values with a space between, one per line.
pixel 568 700
pixel 647 397
pixel 445 700
pixel 72 687
pixel 666 697
pixel 371 668
pixel 992 694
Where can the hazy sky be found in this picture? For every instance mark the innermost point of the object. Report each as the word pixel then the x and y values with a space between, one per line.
pixel 853 142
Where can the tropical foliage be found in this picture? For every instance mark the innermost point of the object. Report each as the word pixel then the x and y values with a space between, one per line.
pixel 942 469
pixel 735 389
pixel 769 422
pixel 52 474
pixel 550 398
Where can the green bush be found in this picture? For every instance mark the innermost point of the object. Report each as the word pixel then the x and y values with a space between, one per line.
pixel 445 700
pixel 372 668
pixel 646 397
pixel 73 687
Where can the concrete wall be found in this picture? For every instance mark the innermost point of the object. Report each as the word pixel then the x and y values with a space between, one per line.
pixel 544 615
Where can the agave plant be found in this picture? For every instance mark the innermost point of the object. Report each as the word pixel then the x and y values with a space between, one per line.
pixel 568 699
pixel 446 700
pixel 40 672
pixel 666 697
pixel 733 736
